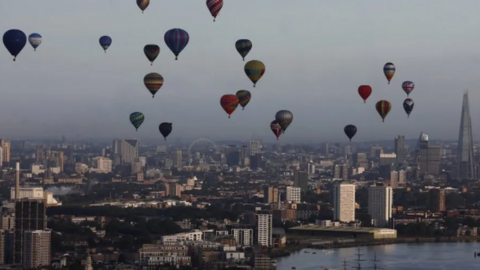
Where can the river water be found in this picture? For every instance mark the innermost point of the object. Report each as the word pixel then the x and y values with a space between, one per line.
pixel 426 256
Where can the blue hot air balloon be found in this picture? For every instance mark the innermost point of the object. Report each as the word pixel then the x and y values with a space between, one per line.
pixel 105 42
pixel 35 40
pixel 14 40
pixel 176 39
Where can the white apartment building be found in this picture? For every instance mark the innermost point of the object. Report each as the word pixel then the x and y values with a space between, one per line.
pixel 344 202
pixel 243 237
pixel 37 247
pixel 101 165
pixel 264 229
pixel 151 254
pixel 294 194
pixel 380 200
pixel 195 235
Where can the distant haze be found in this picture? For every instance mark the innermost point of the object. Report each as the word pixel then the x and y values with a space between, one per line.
pixel 316 54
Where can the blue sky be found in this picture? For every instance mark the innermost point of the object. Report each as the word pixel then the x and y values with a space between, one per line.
pixel 316 54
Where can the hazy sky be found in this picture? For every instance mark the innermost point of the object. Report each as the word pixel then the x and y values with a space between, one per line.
pixel 316 54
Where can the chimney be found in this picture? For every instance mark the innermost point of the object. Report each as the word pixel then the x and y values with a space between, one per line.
pixel 17 180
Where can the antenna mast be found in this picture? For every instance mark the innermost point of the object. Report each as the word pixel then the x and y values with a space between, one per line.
pixel 359 259
pixel 375 267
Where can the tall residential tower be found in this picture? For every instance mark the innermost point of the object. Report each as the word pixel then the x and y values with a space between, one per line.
pixel 465 158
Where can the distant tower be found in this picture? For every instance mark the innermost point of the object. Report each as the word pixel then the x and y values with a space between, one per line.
pixel 465 159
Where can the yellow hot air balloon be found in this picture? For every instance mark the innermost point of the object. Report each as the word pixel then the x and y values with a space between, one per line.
pixel 254 70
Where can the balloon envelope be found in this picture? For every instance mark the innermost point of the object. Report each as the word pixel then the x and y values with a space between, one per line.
pixel 214 6
pixel 153 81
pixel 408 106
pixel 276 128
pixel 408 87
pixel 229 103
pixel 105 42
pixel 35 40
pixel 14 40
pixel 364 91
pixel 244 97
pixel 143 4
pixel 137 118
pixel 165 129
pixel 389 71
pixel 383 107
pixel 350 131
pixel 284 119
pixel 243 47
pixel 151 52
pixel 254 70
pixel 176 39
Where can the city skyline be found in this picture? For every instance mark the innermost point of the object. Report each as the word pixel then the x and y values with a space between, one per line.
pixel 75 89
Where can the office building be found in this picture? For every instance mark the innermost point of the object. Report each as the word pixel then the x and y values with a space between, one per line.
pixel 300 179
pixel 36 249
pixel 30 215
pixel 177 159
pixel 388 158
pixel 8 219
pixel 375 151
pixel 264 229
pixel 398 178
pixel 380 201
pixel 293 195
pixel 428 156
pixel 360 160
pixel 125 151
pixel 341 171
pixel 232 155
pixel 5 144
pixel 101 165
pixel 344 202
pixel 400 150
pixel 465 155
pixel 437 200
pixel 243 237
pixel 255 146
pixel 270 194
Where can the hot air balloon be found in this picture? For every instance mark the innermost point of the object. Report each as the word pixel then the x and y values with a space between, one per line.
pixel 276 128
pixel 229 103
pixel 254 70
pixel 137 118
pixel 214 6
pixel 165 129
pixel 176 39
pixel 284 119
pixel 151 52
pixel 350 131
pixel 105 42
pixel 389 71
pixel 143 4
pixel 35 40
pixel 408 106
pixel 244 97
pixel 364 91
pixel 153 81
pixel 14 40
pixel 383 108
pixel 243 47
pixel 408 87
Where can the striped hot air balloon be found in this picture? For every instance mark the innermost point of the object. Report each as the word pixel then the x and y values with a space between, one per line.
pixel 214 6
pixel 151 52
pixel 243 47
pixel 389 71
pixel 137 118
pixel 244 97
pixel 153 81
pixel 35 40
pixel 229 103
pixel 383 108
pixel 254 70
pixel 176 39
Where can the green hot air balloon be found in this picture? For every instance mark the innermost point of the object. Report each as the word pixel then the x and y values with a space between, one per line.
pixel 137 118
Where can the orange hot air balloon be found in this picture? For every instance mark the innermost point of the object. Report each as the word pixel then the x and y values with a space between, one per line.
pixel 229 103
pixel 383 108
pixel 364 91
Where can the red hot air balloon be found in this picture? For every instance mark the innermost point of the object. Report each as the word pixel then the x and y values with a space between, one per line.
pixel 229 103
pixel 214 6
pixel 276 128
pixel 364 91
pixel 383 108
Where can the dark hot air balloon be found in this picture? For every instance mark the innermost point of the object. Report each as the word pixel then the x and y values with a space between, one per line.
pixel 364 91
pixel 276 128
pixel 14 40
pixel 408 106
pixel 153 81
pixel 389 71
pixel 229 103
pixel 105 42
pixel 165 129
pixel 408 87
pixel 383 108
pixel 35 40
pixel 350 131
pixel 137 118
pixel 151 52
pixel 244 97
pixel 143 4
pixel 176 39
pixel 254 70
pixel 243 47
pixel 214 6
pixel 284 119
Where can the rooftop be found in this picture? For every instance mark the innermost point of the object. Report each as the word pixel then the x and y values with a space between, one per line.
pixel 339 229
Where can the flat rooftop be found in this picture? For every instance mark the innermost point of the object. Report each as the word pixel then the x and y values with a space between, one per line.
pixel 340 229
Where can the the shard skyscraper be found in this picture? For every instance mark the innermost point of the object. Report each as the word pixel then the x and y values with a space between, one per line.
pixel 465 158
